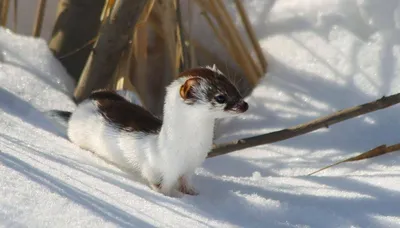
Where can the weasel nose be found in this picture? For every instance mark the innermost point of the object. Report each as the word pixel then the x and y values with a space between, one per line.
pixel 241 106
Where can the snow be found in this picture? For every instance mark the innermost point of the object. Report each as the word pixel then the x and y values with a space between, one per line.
pixel 323 56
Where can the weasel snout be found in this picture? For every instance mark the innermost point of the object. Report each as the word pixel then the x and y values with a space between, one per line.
pixel 240 107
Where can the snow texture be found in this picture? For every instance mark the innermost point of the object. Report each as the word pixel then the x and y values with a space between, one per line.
pixel 323 56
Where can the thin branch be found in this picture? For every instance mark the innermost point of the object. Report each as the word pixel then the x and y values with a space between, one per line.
pixel 185 48
pixel 15 19
pixel 37 28
pixel 92 41
pixel 234 33
pixel 189 36
pixel 229 36
pixel 4 12
pixel 377 151
pixel 301 129
pixel 217 31
pixel 252 35
pixel 75 31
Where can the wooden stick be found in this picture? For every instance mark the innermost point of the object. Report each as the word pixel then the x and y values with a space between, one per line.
pixel 107 9
pixel 183 41
pixel 37 28
pixel 114 38
pixel 15 22
pixel 74 17
pixel 212 57
pixel 301 129
pixel 138 48
pixel 179 59
pixel 4 12
pixel 138 54
pixel 252 35
pixel 221 33
pixel 165 16
pixel 377 151
pixel 145 14
pixel 217 32
pixel 236 37
pixel 193 58
pixel 209 8
pixel 242 55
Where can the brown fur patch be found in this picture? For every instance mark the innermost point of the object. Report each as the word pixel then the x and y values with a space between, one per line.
pixel 186 88
pixel 125 115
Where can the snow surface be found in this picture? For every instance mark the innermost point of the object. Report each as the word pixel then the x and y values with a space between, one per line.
pixel 323 56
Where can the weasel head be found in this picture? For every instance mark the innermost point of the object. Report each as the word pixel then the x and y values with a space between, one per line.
pixel 209 90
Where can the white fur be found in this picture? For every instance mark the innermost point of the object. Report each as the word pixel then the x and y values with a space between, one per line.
pixel 180 147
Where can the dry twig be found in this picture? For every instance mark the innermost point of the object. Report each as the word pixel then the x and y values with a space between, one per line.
pixel 4 12
pixel 185 55
pixel 377 151
pixel 301 129
pixel 252 35
pixel 229 36
pixel 15 19
pixel 37 28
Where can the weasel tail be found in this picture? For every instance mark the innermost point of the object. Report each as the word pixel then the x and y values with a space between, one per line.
pixel 164 152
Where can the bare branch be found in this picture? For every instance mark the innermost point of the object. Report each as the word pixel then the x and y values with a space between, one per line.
pixel 377 151
pixel 301 129
pixel 252 35
pixel 74 33
pixel 115 35
pixel 185 59
pixel 4 12
pixel 37 28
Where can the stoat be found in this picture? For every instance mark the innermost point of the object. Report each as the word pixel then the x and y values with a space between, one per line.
pixel 165 152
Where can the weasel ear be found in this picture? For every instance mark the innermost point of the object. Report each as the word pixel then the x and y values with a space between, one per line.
pixel 186 90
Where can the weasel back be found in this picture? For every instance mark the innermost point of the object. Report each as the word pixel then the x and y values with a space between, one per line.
pixel 100 121
pixel 124 115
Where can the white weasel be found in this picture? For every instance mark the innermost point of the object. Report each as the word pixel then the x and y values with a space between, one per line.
pixel 165 153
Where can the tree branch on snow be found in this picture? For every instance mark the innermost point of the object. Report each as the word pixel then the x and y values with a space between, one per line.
pixel 323 122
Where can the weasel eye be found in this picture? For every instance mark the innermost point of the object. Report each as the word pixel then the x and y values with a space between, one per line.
pixel 220 99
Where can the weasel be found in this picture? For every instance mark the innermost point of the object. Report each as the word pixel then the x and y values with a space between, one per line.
pixel 164 152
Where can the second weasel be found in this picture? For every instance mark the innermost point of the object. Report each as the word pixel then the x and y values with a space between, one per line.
pixel 165 153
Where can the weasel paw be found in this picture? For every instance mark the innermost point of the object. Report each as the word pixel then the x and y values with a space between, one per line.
pixel 185 186
pixel 188 190
pixel 171 193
